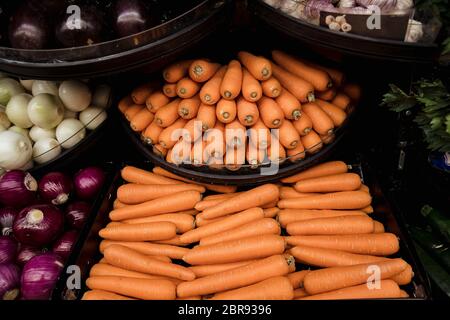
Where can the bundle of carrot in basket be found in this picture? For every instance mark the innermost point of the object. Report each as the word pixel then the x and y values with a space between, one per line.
pixel 306 102
pixel 309 237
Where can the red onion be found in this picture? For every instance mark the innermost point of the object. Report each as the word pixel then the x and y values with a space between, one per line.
pixel 17 188
pixel 7 216
pixel 313 8
pixel 88 182
pixel 9 281
pixel 77 213
pixel 8 249
pixel 384 5
pixel 39 276
pixel 55 187
pixel 26 253
pixel 38 225
pixel 63 246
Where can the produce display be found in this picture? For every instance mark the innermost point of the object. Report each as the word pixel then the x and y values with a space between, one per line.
pixel 311 237
pixel 40 222
pixel 204 112
pixel 39 119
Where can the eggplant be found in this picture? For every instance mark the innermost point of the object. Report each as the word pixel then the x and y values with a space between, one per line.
pixel 131 17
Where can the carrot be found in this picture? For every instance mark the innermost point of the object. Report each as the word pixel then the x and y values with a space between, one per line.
pixel 141 93
pixel 202 70
pixel 300 293
pixel 188 108
pixel 388 289
pixel 255 156
pixel 209 269
pixel 259 67
pixel 179 201
pixel 183 222
pixel 364 188
pixel 288 216
pixel 247 112
pixel 104 269
pixel 232 81
pixel 215 141
pixel 175 241
pixel 147 248
pixel 321 170
pixel 276 153
pixel 192 131
pixel 327 139
pixel 141 120
pixel 190 298
pixel 125 103
pixel 132 110
pixel 336 114
pixel 210 92
pixel 200 221
pixel 170 90
pixel 103 295
pixel 336 200
pixel 271 88
pixel 156 100
pixel 271 212
pixel 333 183
pixel 353 91
pixel 368 209
pixel 147 289
pixel 373 243
pixel 221 196
pixel 126 258
pixel 342 101
pixel 378 227
pixel 322 123
pixel 404 294
pixel 176 71
pixel 303 125
pixel 226 110
pixel 276 288
pixel 207 116
pixel 139 176
pixel 151 133
pixel 234 158
pixel 139 232
pixel 289 193
pixel 327 95
pixel 289 137
pixel 301 89
pixel 235 134
pixel 312 142
pixel 113 223
pixel 251 89
pixel 289 104
pixel 171 134
pixel 296 278
pixel 225 224
pixel 159 150
pixel 252 198
pixel 270 112
pixel 331 225
pixel 117 204
pixel 255 228
pixel 187 88
pixel 167 114
pixel 260 135
pixel 205 204
pixel 278 265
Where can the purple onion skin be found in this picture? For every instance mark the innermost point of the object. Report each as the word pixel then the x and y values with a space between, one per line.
pixel 55 187
pixel 8 249
pixel 76 214
pixel 9 281
pixel 38 225
pixel 130 17
pixel 26 253
pixel 88 182
pixel 7 216
pixel 63 246
pixel 39 276
pixel 17 189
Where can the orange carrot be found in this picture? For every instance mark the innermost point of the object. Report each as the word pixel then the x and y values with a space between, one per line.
pixel 207 116
pixel 321 170
pixel 289 193
pixel 303 125
pixel 289 136
pixel 147 248
pixel 335 200
pixel 378 227
pixel 259 67
pixel 322 123
pixel 300 293
pixel 175 241
pixel 260 135
pixel 251 89
pixel 210 92
pixel 187 88
pixel 141 93
pixel 255 156
pixel 167 114
pixel 301 89
pixel 278 265
pixel 235 134
pixel 271 87
pixel 139 176
pixel 333 183
pixel 289 104
pixel 183 222
pixel 232 81
pixel 125 103
pixel 271 212
pixel 103 295
pixel 151 133
pixel 353 91
pixel 270 112
pixel 247 112
pixel 341 101
pixel 176 71
pixel 215 141
pixel 200 221
pixel 209 269
pixel 188 108
pixel 140 232
pixel 276 153
pixel 327 95
pixel 368 209
pixel 156 100
pixel 104 269
pixel 117 204
pixel 171 134
pixel 202 70
pixel 226 110
pixel 190 298
pixel 287 216
pixel 205 204
pixel 364 188
pixel 159 150
pixel 170 90
pixel 133 110
pixel 336 114
pixel 147 289
pixel 296 278
pixel 312 142
pixel 192 131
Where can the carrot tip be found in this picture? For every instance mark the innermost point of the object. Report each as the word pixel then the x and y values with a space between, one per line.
pixel 311 97
pixel 198 70
pixel 275 92
pixel 330 84
pixel 296 114
pixel 182 90
pixel 253 95
pixel 276 122
pixel 225 115
pixel 184 112
pixel 249 119
pixel 227 94
pixel 265 72
pixel 207 97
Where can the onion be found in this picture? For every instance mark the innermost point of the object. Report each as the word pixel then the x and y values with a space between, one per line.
pixel 9 281
pixel 92 117
pixel 8 249
pixel 63 246
pixel 68 114
pixel 17 188
pixel 384 5
pixel 7 216
pixel 17 110
pixel 42 86
pixel 15 150
pixel 27 84
pixel 102 96
pixel 9 88
pixel 38 225
pixel 29 165
pixel 19 130
pixel 39 276
pixel 45 150
pixel 77 213
pixel 46 111
pixel 36 133
pixel 70 132
pixel 75 95
pixel 26 253
pixel 88 182
pixel 55 187
pixel 4 120
pixel 313 8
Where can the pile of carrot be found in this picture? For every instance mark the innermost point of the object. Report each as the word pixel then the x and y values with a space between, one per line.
pixel 251 95
pixel 309 237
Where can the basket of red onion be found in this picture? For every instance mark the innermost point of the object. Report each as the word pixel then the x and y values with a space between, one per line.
pixel 41 224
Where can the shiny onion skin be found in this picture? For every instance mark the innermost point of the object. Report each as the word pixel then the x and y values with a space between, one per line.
pixel 63 245
pixel 55 187
pixel 76 214
pixel 88 182
pixel 17 189
pixel 7 216
pixel 26 253
pixel 8 249
pixel 9 281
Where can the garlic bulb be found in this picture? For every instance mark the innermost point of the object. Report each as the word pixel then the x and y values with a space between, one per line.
pixel 414 32
pixel 404 4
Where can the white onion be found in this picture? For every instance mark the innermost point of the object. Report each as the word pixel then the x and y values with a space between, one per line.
pixel 45 150
pixel 20 130
pixel 69 132
pixel 4 120
pixel 27 84
pixel 101 96
pixel 46 111
pixel 17 110
pixel 15 150
pixel 37 133
pixel 70 114
pixel 75 95
pixel 42 86
pixel 27 166
pixel 9 88
pixel 92 117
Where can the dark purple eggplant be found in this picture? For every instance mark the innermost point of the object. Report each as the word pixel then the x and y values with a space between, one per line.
pixel 130 17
